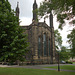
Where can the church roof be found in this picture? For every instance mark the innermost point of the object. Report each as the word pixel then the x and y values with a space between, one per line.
pixel 39 24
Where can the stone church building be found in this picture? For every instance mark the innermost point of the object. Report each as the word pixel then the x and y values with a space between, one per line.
pixel 41 39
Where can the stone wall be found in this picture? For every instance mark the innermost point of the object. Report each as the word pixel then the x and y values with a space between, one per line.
pixel 35 31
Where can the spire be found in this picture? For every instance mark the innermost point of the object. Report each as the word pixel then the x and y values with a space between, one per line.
pixel 34 1
pixel 17 9
pixel 52 35
pixel 34 11
pixel 51 19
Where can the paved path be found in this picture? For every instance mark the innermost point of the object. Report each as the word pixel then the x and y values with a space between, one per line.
pixel 40 67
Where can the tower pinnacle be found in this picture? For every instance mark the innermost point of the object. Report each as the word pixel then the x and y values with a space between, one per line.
pixel 51 19
pixel 17 10
pixel 34 1
pixel 34 11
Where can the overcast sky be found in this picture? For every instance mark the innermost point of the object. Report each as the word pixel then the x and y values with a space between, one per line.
pixel 26 16
pixel 25 9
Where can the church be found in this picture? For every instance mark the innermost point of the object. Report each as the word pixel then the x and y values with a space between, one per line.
pixel 41 38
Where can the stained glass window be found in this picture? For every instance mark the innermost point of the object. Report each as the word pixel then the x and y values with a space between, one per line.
pixel 44 44
pixel 49 46
pixel 39 46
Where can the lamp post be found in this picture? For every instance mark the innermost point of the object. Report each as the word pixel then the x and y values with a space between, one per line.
pixel 58 61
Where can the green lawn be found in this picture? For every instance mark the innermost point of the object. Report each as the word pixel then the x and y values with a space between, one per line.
pixel 66 67
pixel 73 62
pixel 23 71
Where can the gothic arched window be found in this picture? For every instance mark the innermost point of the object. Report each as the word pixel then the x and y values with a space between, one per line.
pixel 39 46
pixel 49 46
pixel 45 44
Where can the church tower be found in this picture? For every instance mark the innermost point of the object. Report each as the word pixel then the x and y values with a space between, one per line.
pixel 41 39
pixel 34 11
pixel 52 38
pixel 17 10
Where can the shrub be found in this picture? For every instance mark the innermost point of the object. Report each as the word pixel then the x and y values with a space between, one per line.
pixel 69 62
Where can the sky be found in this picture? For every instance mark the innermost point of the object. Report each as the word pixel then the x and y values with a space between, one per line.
pixel 26 15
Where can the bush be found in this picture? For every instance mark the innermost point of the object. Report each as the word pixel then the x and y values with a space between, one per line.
pixel 69 62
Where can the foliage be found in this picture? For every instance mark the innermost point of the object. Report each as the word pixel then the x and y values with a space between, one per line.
pixel 58 39
pixel 13 43
pixel 64 9
pixel 71 40
pixel 64 54
pixel 69 62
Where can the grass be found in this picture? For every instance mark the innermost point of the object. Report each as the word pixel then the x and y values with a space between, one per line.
pixel 73 62
pixel 23 71
pixel 65 67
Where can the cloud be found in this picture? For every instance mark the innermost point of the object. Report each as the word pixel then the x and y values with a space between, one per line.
pixel 25 21
pixel 25 7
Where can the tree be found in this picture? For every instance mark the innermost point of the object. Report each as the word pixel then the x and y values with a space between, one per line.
pixel 71 40
pixel 64 9
pixel 13 43
pixel 64 54
pixel 58 39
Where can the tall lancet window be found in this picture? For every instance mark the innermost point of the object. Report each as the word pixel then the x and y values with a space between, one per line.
pixel 39 47
pixel 49 46
pixel 45 44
